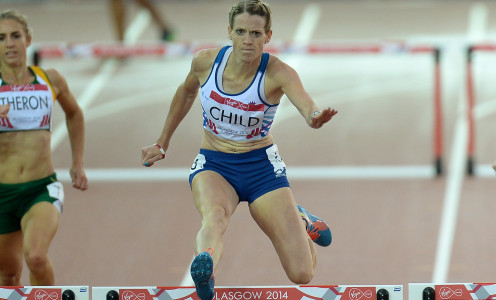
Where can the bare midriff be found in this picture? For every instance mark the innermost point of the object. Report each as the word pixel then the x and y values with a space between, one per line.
pixel 211 142
pixel 25 156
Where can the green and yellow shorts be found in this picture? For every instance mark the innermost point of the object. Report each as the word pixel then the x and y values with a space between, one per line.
pixel 18 198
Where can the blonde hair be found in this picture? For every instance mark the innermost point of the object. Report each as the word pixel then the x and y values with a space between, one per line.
pixel 252 7
pixel 20 18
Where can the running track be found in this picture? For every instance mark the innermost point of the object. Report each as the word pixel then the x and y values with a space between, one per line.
pixel 369 172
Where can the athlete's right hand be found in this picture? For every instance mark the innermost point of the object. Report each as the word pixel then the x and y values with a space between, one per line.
pixel 151 154
pixel 4 110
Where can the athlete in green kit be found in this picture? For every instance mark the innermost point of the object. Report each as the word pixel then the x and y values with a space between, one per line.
pixel 31 198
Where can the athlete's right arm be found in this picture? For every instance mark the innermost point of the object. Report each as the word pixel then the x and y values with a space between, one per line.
pixel 4 110
pixel 181 103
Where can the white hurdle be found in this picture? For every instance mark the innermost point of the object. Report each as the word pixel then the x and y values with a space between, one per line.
pixel 331 292
pixel 45 293
pixel 451 291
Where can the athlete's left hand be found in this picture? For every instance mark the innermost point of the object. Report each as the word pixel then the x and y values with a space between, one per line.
pixel 319 119
pixel 78 177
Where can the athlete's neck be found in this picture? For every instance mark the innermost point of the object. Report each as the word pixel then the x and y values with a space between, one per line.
pixel 17 76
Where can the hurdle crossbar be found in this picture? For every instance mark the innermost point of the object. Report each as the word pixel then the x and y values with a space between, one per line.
pixel 45 293
pixel 121 50
pixel 451 291
pixel 331 292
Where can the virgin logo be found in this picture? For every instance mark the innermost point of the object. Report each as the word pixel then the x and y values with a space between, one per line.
pixel 44 295
pixel 447 293
pixel 20 88
pixel 357 294
pixel 128 295
pixel 236 104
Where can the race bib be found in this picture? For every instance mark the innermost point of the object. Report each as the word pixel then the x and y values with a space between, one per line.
pixel 56 190
pixel 276 161
pixel 198 163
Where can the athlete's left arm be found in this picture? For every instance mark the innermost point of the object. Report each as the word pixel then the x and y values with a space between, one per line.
pixel 290 83
pixel 75 127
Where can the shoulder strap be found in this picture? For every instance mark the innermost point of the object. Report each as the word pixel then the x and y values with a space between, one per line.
pixel 221 53
pixel 40 72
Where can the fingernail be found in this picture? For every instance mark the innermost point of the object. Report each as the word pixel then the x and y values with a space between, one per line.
pixel 147 163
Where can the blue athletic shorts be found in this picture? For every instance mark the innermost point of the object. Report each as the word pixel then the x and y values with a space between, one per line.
pixel 251 174
pixel 17 199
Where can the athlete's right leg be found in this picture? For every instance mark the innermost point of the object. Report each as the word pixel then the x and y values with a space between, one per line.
pixel 11 258
pixel 216 200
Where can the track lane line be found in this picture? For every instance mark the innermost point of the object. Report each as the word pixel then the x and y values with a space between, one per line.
pixel 295 173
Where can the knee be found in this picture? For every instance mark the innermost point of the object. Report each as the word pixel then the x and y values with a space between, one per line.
pixel 215 217
pixel 10 277
pixel 36 260
pixel 301 277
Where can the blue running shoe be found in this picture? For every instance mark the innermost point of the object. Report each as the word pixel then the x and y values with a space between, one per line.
pixel 317 229
pixel 202 270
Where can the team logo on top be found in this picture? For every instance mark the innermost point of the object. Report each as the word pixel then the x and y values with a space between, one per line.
pixel 23 88
pixel 235 103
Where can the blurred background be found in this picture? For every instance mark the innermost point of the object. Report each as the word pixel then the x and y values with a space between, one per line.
pixel 388 173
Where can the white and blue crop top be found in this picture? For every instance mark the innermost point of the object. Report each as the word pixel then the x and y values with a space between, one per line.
pixel 244 116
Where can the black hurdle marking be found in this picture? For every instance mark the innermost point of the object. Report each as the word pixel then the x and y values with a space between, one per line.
pixel 68 295
pixel 429 294
pixel 112 295
pixel 382 294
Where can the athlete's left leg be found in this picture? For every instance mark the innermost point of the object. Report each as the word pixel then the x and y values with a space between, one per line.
pixel 277 215
pixel 165 27
pixel 39 226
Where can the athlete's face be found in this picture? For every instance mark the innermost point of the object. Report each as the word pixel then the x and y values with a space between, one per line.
pixel 13 42
pixel 248 36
